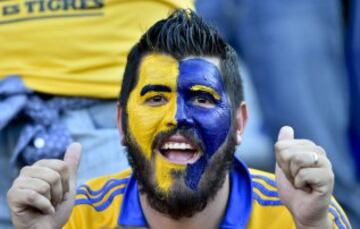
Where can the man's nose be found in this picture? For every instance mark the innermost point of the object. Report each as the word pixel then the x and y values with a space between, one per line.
pixel 183 116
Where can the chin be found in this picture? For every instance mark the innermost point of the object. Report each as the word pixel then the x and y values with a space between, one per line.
pixel 193 188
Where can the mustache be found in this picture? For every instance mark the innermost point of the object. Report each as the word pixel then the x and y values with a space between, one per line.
pixel 187 132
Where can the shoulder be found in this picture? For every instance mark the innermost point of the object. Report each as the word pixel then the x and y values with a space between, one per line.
pixel 100 191
pixel 267 208
pixel 98 201
pixel 264 188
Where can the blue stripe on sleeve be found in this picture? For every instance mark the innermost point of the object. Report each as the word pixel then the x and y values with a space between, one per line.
pixel 337 218
pixel 266 179
pixel 105 204
pixel 266 202
pixel 264 190
pixel 107 186
pixel 332 204
pixel 97 198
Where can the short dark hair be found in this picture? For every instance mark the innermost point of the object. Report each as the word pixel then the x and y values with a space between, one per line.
pixel 181 35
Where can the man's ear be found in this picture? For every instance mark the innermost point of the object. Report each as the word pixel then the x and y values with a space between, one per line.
pixel 119 122
pixel 241 121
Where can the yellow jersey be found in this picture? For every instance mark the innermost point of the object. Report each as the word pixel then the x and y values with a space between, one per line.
pixel 113 202
pixel 75 47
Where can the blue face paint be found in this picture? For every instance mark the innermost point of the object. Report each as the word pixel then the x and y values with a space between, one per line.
pixel 206 110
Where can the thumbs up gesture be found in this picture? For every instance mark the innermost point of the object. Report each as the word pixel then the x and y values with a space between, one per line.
pixel 42 196
pixel 304 179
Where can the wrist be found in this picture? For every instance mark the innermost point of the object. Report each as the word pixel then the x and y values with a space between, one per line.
pixel 322 224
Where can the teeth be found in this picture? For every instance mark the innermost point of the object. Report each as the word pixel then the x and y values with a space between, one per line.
pixel 176 146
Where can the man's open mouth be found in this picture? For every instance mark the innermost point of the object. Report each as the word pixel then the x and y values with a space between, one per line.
pixel 179 150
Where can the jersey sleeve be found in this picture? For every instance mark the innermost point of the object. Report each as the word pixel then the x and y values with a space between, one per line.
pixel 75 220
pixel 338 216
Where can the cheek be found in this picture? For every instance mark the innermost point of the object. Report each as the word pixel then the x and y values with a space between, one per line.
pixel 214 127
pixel 147 122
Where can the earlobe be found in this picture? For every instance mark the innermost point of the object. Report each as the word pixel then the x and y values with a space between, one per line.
pixel 119 123
pixel 238 138
pixel 241 121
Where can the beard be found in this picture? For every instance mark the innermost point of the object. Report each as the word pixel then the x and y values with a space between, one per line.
pixel 181 201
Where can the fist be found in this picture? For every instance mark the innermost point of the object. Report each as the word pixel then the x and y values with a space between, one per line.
pixel 42 195
pixel 304 178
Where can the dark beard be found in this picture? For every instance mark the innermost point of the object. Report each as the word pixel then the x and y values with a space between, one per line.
pixel 181 201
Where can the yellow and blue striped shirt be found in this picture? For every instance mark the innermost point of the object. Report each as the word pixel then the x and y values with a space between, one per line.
pixel 113 201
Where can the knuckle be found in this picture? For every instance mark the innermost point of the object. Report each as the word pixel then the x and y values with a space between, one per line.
pixel 18 181
pixel 308 142
pixel 321 150
pixel 301 174
pixel 41 162
pixel 316 179
pixel 327 163
pixel 24 170
pixel 54 178
pixel 298 158
pixel 285 155
pixel 31 196
pixel 331 176
pixel 9 193
pixel 45 188
pixel 62 167
pixel 278 146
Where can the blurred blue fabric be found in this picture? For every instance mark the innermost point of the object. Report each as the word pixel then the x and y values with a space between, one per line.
pixel 44 135
pixel 13 96
pixel 294 51
pixel 353 57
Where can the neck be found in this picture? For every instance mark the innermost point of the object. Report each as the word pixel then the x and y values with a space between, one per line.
pixel 210 217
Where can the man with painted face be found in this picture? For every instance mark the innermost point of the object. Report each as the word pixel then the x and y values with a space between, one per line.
pixel 182 113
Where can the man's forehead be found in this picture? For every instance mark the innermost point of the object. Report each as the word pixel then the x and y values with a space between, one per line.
pixel 213 60
pixel 157 60
pixel 157 67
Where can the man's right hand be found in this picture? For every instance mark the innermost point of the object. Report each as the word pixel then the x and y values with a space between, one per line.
pixel 43 195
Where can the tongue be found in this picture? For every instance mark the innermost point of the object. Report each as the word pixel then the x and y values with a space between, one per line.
pixel 179 155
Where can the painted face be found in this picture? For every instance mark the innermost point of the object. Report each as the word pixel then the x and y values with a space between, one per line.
pixel 179 116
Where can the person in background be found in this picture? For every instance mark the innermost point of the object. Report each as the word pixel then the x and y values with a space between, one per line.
pixel 353 61
pixel 61 66
pixel 182 112
pixel 295 56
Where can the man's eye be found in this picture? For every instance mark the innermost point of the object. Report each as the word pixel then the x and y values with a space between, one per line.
pixel 156 100
pixel 203 101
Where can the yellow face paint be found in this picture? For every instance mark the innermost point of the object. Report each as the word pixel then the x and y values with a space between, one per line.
pixel 163 174
pixel 206 89
pixel 146 121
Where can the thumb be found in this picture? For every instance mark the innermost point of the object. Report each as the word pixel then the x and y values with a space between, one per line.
pixel 286 133
pixel 72 159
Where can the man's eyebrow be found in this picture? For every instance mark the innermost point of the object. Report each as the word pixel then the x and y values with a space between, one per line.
pixel 207 89
pixel 154 87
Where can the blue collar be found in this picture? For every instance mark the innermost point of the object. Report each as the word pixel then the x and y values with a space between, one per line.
pixel 237 211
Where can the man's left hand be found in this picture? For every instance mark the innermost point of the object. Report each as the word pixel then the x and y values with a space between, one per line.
pixel 304 179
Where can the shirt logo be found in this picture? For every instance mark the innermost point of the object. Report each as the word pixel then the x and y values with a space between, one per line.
pixel 13 11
